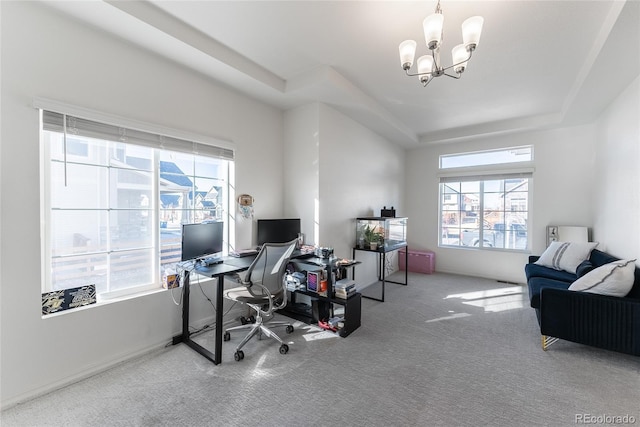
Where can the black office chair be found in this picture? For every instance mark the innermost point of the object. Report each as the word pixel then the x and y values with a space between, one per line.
pixel 264 291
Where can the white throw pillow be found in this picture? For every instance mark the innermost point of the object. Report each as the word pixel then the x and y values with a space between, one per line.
pixel 566 255
pixel 613 279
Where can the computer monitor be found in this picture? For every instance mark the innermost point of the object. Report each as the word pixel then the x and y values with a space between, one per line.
pixel 278 230
pixel 201 240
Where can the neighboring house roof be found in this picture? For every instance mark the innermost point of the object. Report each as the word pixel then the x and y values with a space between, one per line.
pixel 199 194
pixel 172 173
pixel 169 200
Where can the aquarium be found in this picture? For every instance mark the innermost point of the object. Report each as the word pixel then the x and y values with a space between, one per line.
pixel 381 233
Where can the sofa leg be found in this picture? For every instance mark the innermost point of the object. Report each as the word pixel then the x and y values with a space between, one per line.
pixel 547 341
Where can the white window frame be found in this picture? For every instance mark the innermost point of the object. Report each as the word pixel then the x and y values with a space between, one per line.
pixel 484 158
pixel 169 140
pixel 481 173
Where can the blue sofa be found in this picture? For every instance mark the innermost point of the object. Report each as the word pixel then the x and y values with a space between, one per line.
pixel 612 323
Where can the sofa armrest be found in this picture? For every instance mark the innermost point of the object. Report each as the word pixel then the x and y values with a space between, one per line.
pixel 533 258
pixel 611 323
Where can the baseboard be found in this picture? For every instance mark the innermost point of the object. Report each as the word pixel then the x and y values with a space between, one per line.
pixel 232 317
pixel 457 273
pixel 83 375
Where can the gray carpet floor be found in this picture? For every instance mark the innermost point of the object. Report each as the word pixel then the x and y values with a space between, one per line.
pixel 446 350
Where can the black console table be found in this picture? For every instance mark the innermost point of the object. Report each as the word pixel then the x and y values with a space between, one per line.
pixel 382 259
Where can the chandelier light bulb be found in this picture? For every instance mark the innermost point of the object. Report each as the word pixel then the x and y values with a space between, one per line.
pixel 460 58
pixel 425 68
pixel 471 30
pixel 407 53
pixel 432 26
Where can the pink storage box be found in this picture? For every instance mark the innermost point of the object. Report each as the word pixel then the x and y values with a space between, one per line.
pixel 419 261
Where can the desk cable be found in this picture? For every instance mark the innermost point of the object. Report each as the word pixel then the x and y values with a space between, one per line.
pixel 207 326
pixel 181 268
pixel 188 268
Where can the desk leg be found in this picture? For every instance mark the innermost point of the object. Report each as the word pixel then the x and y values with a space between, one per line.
pixel 186 291
pixel 215 358
pixel 219 309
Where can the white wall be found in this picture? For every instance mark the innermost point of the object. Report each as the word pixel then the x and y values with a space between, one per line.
pixel 45 54
pixel 338 170
pixel 302 167
pixel 562 193
pixel 360 173
pixel 617 188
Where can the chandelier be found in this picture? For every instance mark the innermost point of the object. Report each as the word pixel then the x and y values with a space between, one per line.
pixel 429 66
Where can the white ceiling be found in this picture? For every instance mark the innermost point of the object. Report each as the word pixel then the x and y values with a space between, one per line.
pixel 538 64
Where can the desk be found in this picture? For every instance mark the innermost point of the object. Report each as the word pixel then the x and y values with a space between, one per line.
pixel 382 257
pixel 230 265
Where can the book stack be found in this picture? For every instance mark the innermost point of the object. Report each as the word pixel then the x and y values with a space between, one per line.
pixel 345 288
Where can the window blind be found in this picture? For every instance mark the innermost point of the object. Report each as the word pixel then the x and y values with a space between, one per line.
pixel 488 177
pixel 55 121
pixel 483 173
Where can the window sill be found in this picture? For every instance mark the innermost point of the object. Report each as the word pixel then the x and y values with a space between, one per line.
pixel 102 301
pixel 472 248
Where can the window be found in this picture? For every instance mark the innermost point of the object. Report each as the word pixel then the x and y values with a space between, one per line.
pixel 485 207
pixel 489 157
pixel 115 200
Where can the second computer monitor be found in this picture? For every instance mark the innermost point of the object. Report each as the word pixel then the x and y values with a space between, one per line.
pixel 202 240
pixel 278 230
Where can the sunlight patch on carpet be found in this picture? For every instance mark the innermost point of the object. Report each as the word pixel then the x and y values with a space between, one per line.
pixel 453 316
pixel 494 300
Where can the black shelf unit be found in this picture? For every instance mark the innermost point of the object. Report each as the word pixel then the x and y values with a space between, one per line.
pixel 322 305
pixel 322 308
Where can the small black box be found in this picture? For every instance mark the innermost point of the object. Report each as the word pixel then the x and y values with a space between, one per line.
pixel 388 213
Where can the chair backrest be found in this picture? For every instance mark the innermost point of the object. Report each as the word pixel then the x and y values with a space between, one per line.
pixel 269 267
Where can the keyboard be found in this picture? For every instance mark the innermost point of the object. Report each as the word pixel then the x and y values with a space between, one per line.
pixel 298 253
pixel 211 261
pixel 243 253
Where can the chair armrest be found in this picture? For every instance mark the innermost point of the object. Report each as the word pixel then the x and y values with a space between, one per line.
pixel 602 321
pixel 241 277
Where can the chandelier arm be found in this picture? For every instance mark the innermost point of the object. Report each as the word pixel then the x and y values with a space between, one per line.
pixel 424 84
pixel 418 74
pixel 433 73
pixel 457 76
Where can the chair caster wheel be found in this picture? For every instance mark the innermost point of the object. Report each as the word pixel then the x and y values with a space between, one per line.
pixel 227 336
pixel 238 355
pixel 289 329
pixel 244 320
pixel 284 349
